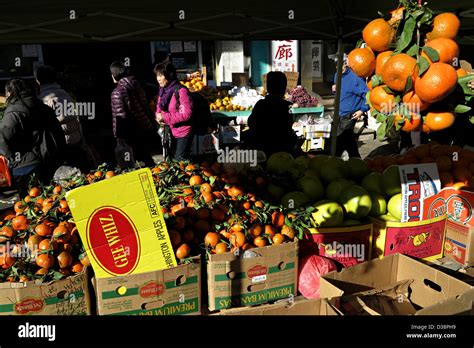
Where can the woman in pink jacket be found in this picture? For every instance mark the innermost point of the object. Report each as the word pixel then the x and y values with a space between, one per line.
pixel 174 107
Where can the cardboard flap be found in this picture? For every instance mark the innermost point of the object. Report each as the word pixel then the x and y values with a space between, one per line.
pixel 430 285
pixel 460 305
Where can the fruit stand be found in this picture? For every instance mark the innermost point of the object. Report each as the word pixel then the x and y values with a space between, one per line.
pixel 299 235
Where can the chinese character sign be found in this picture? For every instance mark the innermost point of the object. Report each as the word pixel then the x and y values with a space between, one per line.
pixel 285 55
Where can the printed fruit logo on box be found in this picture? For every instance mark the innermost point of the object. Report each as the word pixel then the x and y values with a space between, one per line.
pixel 257 270
pixel 29 305
pixel 459 209
pixel 419 239
pixel 111 227
pixel 152 289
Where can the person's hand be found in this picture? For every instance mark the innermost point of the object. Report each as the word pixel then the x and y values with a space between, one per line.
pixel 357 115
pixel 195 74
pixel 159 118
pixel 333 88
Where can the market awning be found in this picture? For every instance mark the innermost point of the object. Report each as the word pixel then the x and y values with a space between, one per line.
pixel 41 21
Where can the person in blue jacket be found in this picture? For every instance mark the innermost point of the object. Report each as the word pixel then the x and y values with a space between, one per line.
pixel 352 107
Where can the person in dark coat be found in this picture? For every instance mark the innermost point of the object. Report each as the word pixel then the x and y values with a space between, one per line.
pixel 270 124
pixel 131 118
pixel 22 129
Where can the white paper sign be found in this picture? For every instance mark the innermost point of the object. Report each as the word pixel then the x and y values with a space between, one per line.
pixel 176 46
pixel 189 46
pixel 285 55
pixel 419 181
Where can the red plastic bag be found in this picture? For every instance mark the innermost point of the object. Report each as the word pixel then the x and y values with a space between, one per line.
pixel 311 269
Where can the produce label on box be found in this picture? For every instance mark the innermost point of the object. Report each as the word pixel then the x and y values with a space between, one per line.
pixel 68 296
pixel 459 243
pixel 419 181
pixel 346 245
pixel 458 205
pixel 423 239
pixel 121 225
pixel 235 281
pixel 173 291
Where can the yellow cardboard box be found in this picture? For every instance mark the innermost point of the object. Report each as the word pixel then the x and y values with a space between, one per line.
pixel 121 225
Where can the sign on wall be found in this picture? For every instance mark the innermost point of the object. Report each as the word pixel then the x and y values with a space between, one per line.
pixel 285 55
pixel 316 58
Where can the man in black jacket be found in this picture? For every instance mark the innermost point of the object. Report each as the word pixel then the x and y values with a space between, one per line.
pixel 270 124
pixel 31 137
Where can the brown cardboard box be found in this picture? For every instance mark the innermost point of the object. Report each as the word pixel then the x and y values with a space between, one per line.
pixel 172 291
pixel 346 245
pixel 432 291
pixel 69 296
pixel 235 281
pixel 420 239
pixel 300 306
pixel 459 244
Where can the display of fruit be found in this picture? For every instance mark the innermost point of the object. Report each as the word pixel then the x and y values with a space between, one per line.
pixel 411 63
pixel 194 84
pixel 301 98
pixel 38 238
pixel 245 97
pixel 455 166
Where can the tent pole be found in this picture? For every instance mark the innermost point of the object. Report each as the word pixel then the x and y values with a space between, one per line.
pixel 335 121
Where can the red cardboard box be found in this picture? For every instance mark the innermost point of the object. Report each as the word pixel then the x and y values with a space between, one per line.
pixel 458 206
pixel 420 239
pixel 346 245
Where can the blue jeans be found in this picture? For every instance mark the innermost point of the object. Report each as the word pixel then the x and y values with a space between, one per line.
pixel 183 148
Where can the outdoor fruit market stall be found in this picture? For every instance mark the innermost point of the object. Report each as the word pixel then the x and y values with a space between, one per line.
pixel 313 234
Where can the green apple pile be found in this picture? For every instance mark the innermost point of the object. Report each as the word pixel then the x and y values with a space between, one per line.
pixel 343 193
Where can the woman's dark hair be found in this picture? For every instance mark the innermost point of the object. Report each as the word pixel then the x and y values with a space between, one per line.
pixel 167 70
pixel 45 74
pixel 18 90
pixel 118 70
pixel 276 83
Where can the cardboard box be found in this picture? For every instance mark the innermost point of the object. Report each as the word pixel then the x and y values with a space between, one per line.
pixel 121 224
pixel 432 292
pixel 173 291
pixel 458 206
pixel 419 181
pixel 459 244
pixel 270 274
pixel 420 239
pixel 300 306
pixel 346 245
pixel 69 296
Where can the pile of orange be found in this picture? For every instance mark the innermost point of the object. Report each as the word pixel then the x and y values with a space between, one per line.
pixel 455 165
pixel 398 73
pixel 37 239
pixel 207 210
